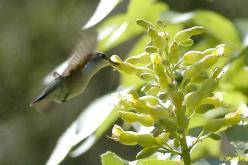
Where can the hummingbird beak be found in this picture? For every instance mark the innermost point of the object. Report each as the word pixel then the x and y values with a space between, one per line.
pixel 105 57
pixel 112 63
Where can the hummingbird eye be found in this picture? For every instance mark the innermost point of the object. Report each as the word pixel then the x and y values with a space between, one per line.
pixel 102 55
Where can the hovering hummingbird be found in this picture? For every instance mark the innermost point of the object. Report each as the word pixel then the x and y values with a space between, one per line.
pixel 83 63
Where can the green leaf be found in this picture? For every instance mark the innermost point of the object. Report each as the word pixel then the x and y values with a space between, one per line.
pixel 238 133
pixel 122 27
pixel 207 147
pixel 242 26
pixel 103 9
pixel 133 80
pixel 84 128
pixel 150 161
pixel 218 26
pixel 110 158
pixel 173 17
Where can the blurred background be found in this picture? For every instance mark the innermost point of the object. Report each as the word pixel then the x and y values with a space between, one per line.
pixel 38 35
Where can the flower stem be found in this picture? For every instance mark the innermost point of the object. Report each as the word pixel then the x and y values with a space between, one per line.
pixel 185 151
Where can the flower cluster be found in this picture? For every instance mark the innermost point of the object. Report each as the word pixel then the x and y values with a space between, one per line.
pixel 177 85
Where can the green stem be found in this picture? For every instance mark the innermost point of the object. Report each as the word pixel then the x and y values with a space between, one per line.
pixel 171 151
pixel 197 139
pixel 185 151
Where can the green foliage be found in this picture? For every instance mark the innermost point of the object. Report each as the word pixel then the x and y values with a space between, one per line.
pixel 177 82
pixel 172 73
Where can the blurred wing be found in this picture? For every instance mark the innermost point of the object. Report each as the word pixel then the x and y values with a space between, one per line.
pixel 82 52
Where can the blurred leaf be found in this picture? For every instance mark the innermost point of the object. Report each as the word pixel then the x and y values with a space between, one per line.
pixel 120 28
pixel 238 133
pixel 103 9
pixel 234 97
pixel 197 120
pixel 242 27
pixel 88 122
pixel 173 17
pixel 110 158
pixel 237 73
pixel 207 147
pixel 91 140
pixel 218 26
pixel 241 147
pixel 132 80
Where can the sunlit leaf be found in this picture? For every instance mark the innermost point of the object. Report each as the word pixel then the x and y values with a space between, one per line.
pixel 99 132
pixel 110 158
pixel 89 121
pixel 207 147
pixel 173 17
pixel 122 27
pixel 103 9
pixel 242 26
pixel 218 26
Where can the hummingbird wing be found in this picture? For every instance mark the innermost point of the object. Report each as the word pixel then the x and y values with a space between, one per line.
pixel 82 52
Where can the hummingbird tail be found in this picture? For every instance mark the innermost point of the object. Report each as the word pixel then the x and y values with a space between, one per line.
pixel 39 98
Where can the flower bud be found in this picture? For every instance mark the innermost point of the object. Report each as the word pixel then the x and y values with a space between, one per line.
pixel 173 50
pixel 155 112
pixel 156 38
pixel 142 58
pixel 116 59
pixel 212 100
pixel 208 87
pixel 192 99
pixel 207 51
pixel 157 131
pixel 214 136
pixel 144 24
pixel 213 125
pixel 186 43
pixel 232 118
pixel 217 73
pixel 168 124
pixel 203 75
pixel 147 140
pixel 151 100
pixel 193 71
pixel 160 24
pixel 133 96
pixel 162 138
pixel 146 88
pixel 151 49
pixel 185 34
pixel 191 57
pixel 158 69
pixel 203 108
pixel 147 77
pixel 154 90
pixel 196 30
pixel 145 120
pixel 124 137
pixel 146 152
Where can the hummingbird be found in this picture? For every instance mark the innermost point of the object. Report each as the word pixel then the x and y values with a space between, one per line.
pixel 82 65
